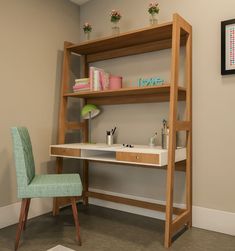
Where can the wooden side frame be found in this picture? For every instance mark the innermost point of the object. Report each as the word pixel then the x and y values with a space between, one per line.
pixel 64 125
pixel 173 226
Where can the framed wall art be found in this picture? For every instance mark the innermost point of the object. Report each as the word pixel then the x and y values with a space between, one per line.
pixel 228 47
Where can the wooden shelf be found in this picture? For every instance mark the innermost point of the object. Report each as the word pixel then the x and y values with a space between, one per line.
pixel 129 95
pixel 135 42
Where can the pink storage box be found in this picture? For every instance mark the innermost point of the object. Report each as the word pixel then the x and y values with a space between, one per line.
pixel 115 82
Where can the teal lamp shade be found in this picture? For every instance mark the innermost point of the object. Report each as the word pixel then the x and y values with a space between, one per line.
pixel 89 111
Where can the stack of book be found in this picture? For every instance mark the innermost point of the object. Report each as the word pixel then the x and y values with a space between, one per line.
pixel 81 84
pixel 99 79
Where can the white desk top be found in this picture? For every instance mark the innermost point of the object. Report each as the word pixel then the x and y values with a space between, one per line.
pixel 114 148
pixel 103 152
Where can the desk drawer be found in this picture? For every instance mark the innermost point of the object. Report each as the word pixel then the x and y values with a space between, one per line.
pixel 138 157
pixel 60 151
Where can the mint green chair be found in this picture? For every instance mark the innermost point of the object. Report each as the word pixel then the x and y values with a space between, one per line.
pixel 37 186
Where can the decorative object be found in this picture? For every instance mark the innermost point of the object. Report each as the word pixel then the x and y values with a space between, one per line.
pixel 228 47
pixel 153 11
pixel 87 30
pixel 155 81
pixel 89 111
pixel 115 82
pixel 115 18
pixel 153 139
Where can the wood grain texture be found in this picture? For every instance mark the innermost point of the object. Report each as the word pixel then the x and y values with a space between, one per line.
pixel 132 202
pixel 131 95
pixel 85 168
pixel 76 221
pixel 62 114
pixel 172 131
pixel 26 212
pixel 21 222
pixel 156 34
pixel 180 221
pixel 188 78
pixel 183 126
pixel 138 157
pixel 65 151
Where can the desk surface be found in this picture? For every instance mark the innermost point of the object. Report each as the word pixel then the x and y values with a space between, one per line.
pixel 117 153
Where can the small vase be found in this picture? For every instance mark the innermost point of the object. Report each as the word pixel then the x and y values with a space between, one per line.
pixel 153 19
pixel 87 35
pixel 115 28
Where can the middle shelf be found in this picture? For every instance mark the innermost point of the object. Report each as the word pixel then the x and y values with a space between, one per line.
pixel 129 95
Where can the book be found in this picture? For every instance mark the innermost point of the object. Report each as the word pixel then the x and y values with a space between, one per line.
pixel 98 79
pixel 82 80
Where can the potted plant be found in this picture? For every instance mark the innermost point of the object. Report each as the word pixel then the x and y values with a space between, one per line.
pixel 87 30
pixel 115 17
pixel 153 10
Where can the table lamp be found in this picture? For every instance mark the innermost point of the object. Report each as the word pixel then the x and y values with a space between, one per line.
pixel 89 111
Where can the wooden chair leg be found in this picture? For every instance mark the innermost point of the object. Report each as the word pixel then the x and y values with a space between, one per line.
pixel 26 212
pixel 75 216
pixel 21 222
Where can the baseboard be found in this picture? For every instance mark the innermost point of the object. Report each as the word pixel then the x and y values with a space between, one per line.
pixel 214 220
pixel 205 218
pixel 9 215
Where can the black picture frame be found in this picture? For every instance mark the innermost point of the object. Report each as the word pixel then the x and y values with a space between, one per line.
pixel 224 47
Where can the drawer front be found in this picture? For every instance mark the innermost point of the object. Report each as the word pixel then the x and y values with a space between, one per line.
pixel 138 157
pixel 65 152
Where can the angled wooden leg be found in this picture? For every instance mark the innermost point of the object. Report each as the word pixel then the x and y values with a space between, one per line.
pixel 75 216
pixel 26 212
pixel 56 201
pixel 21 222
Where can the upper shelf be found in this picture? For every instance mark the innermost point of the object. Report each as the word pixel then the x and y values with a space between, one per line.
pixel 129 95
pixel 155 38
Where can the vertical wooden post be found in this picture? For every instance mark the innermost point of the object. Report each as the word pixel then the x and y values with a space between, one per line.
pixel 62 113
pixel 188 78
pixel 172 132
pixel 85 139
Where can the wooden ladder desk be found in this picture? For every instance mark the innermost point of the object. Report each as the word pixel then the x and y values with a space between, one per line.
pixel 169 35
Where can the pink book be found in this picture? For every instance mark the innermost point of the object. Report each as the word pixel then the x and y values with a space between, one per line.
pixel 91 77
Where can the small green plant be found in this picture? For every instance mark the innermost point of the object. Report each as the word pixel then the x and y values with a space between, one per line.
pixel 87 27
pixel 115 16
pixel 153 8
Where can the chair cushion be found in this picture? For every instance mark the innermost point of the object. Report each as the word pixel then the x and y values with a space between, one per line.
pixel 53 185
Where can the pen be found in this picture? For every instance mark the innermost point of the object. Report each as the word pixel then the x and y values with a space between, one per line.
pixel 113 130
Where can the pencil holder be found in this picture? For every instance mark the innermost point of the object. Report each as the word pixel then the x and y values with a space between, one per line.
pixel 109 139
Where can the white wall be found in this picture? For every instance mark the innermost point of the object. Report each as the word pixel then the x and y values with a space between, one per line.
pixel 213 103
pixel 32 37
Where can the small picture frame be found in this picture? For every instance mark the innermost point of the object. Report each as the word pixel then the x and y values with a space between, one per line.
pixel 228 47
